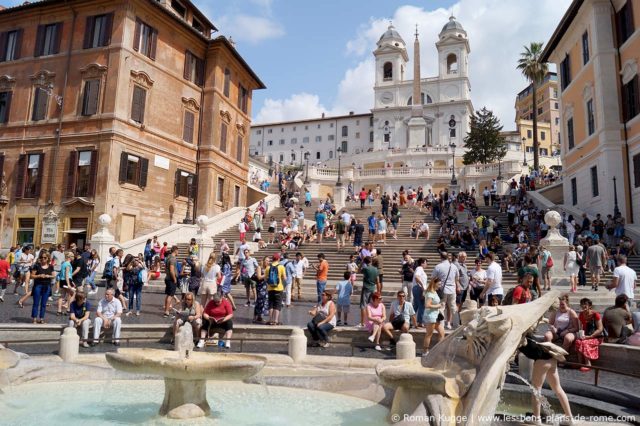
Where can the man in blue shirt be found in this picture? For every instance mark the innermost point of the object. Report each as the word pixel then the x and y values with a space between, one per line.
pixel 371 220
pixel 79 313
pixel 290 271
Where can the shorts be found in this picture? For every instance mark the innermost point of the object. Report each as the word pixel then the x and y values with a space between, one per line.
pixel 211 324
pixel 372 230
pixel 449 300
pixel 595 270
pixel 460 298
pixel 209 287
pixel 365 297
pixel 544 271
pixel 271 230
pixel 3 283
pixel 170 287
pixel 381 278
pixel 357 242
pixel 275 299
pixel 248 282
pixel 382 231
pixel 340 238
pixel 344 308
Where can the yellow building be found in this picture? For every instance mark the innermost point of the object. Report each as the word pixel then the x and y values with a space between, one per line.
pixel 546 145
pixel 596 48
pixel 548 109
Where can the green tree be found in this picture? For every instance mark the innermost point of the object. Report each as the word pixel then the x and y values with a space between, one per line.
pixel 532 67
pixel 483 142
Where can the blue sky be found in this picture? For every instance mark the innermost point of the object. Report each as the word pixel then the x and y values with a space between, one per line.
pixel 316 57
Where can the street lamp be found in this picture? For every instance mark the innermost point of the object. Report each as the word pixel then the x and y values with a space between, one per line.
pixel 524 152
pixel 499 169
pixel 616 210
pixel 301 148
pixel 306 157
pixel 454 181
pixel 187 218
pixel 339 182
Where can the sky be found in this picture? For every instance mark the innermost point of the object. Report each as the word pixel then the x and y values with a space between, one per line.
pixel 316 57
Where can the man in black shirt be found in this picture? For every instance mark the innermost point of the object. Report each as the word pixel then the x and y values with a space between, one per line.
pixel 79 268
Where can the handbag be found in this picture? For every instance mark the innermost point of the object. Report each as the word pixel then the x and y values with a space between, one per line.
pixel 398 322
pixel 318 318
pixel 549 261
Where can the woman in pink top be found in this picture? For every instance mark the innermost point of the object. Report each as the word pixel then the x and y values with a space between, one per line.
pixel 375 318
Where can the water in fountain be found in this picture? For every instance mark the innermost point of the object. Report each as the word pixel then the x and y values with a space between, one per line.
pixel 540 398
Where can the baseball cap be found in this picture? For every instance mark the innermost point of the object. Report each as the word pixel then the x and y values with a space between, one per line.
pixel 276 256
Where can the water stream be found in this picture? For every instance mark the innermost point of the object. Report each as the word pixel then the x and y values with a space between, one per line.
pixel 545 405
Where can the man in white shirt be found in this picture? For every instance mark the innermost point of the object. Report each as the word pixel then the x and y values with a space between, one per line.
pixel 346 218
pixel 301 264
pixel 493 286
pixel 449 277
pixel 486 195
pixel 108 315
pixel 423 230
pixel 623 280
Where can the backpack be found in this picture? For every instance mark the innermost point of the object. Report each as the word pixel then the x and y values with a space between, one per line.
pixel 142 276
pixel 485 222
pixel 549 263
pixel 108 269
pixel 508 298
pixel 273 279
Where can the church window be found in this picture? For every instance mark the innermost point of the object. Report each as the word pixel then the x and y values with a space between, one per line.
pixel 452 64
pixel 387 71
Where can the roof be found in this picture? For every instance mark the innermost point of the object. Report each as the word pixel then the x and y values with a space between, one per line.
pixel 452 25
pixel 550 76
pixel 309 120
pixel 225 41
pixel 391 34
pixel 562 28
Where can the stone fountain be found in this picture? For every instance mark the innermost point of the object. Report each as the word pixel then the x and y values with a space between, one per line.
pixel 461 379
pixel 186 372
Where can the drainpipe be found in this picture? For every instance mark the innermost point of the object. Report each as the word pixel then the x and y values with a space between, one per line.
pixel 199 144
pixel 56 149
pixel 627 169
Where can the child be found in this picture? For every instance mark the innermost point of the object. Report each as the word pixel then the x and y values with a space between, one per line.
pixel 344 289
pixel 352 267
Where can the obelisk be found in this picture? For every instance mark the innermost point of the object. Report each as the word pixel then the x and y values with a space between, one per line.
pixel 417 125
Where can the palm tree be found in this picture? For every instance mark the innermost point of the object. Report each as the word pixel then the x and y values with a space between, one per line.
pixel 534 70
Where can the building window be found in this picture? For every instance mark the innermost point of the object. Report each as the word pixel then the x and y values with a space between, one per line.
pixel 197 26
pixel 317 155
pixel 331 125
pixel 357 122
pixel 138 103
pixel 193 68
pixel 357 135
pixel 387 137
pixel 294 128
pixel 10 45
pixel 220 191
pixel 540 111
pixel 371 121
pixel 97 32
pixel 371 137
pixel 227 84
pixel 270 143
pixel 258 132
pixel 188 126
pixel 345 131
pixel 557 120
pixel 594 181
pixel 236 196
pixel 636 170
pixel 243 99
pixel 145 39
pixel 555 105
pixel 306 127
pixel 182 184
pixel 305 139
pixel 570 139
pixel 330 155
pixel 179 8
pixel 281 158
pixel 40 101
pixel 223 137
pixel 452 64
pixel 331 137
pixel 294 141
pixel 544 151
pixel 83 170
pixel 344 147
pixel 624 23
pixel 26 230
pixel 565 72
pixel 529 134
pixel 319 126
pixel 452 132
pixel 281 129
pixel 48 39
pixel 318 138
pixel 281 141
pixel 29 175
pixel 90 97
pixel 269 131
pixel 574 192
pixel 239 148
pixel 543 135
pixel 5 106
pixel 591 121
pixel 631 99
pixel 585 47
pixel 133 169
pixel 387 71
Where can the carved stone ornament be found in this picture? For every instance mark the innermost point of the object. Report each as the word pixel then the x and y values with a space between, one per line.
pixel 7 83
pixel 629 70
pixel 241 127
pixel 142 78
pixel 226 116
pixel 93 71
pixel 191 104
pixel 43 78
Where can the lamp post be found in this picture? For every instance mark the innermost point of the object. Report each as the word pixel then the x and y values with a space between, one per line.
pixel 293 155
pixel 339 182
pixel 616 210
pixel 306 177
pixel 454 181
pixel 187 218
pixel 499 169
pixel 524 152
pixel 301 148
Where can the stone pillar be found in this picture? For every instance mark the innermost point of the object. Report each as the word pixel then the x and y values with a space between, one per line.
pixel 297 345
pixel 406 347
pixel 69 344
pixel 557 246
pixel 340 197
pixel 103 239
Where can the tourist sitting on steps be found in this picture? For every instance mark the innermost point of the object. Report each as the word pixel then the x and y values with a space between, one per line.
pixel 79 313
pixel 375 319
pixel 190 313
pixel 108 315
pixel 217 315
pixel 323 320
pixel 401 316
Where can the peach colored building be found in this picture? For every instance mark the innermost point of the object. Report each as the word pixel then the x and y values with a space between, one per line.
pixel 548 112
pixel 596 48
pixel 114 107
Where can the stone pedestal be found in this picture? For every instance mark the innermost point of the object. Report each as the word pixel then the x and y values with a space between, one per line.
pixel 406 347
pixel 181 392
pixel 557 246
pixel 69 344
pixel 103 239
pixel 417 132
pixel 297 345
pixel 340 197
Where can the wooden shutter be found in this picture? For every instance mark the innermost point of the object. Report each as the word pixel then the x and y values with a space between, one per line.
pixel 636 170
pixel 200 72
pixel 3 45
pixel 20 171
pixel 223 137
pixel 144 170
pixel 136 35
pixel 105 37
pixel 7 109
pixel 138 104
pixel 40 175
pixel 72 174
pixel 194 189
pixel 176 184
pixel 39 41
pixel 1 164
pixel 88 32
pixel 93 173
pixel 239 149
pixel 18 49
pixel 39 105
pixel 187 65
pixel 154 44
pixel 122 174
pixel 56 45
pixel 91 92
pixel 187 133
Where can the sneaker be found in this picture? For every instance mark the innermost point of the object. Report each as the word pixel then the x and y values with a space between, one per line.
pixel 361 325
pixel 200 344
pixel 378 348
pixel 138 313
pixel 324 344
pixel 220 344
pixel 227 345
pixel 345 324
pixel 371 338
pixel 448 326
pixel 85 344
pixel 247 304
pixel 92 292
pixel 1 298
pixel 338 323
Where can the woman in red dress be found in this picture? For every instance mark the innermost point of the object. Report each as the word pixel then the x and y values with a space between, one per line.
pixel 590 334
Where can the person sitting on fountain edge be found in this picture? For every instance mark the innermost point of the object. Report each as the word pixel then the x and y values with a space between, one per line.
pixel 217 314
pixel 108 315
pixel 191 313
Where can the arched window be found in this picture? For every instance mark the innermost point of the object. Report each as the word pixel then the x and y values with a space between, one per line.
pixel 422 98
pixel 344 147
pixel 345 131
pixel 429 100
pixel 387 71
pixel 330 154
pixel 452 64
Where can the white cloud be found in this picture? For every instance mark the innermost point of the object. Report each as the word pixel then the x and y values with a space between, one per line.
pixel 298 106
pixel 497 30
pixel 252 29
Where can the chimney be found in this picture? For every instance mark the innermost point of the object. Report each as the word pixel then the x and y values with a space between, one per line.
pixel 350 112
pixel 323 115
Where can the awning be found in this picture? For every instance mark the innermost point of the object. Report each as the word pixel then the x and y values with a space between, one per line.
pixel 75 231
